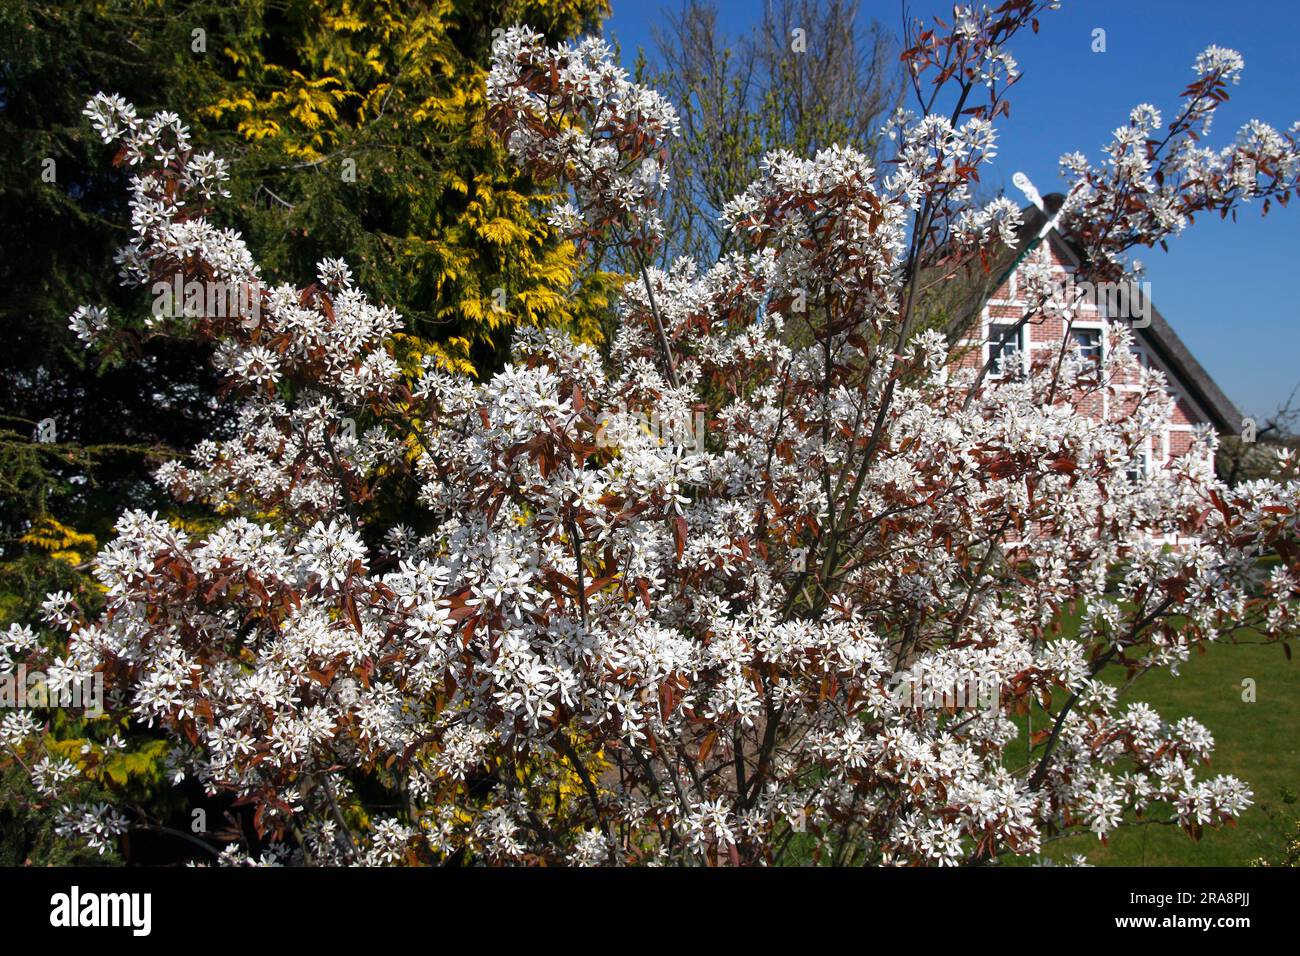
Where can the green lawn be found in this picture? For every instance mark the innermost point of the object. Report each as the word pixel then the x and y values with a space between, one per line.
pixel 1256 742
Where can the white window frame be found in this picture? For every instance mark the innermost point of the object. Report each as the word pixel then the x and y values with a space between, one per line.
pixel 1017 342
pixel 1145 463
pixel 1099 328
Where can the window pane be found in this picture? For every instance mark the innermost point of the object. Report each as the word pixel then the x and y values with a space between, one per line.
pixel 1139 467
pixel 1001 351
pixel 1089 343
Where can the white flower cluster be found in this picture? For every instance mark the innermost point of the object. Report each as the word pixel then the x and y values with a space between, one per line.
pixel 1153 183
pixel 596 642
pixel 573 114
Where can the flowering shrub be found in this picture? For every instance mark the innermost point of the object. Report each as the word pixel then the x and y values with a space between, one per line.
pixel 597 643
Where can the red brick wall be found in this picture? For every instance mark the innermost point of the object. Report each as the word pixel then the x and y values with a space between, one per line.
pixel 1042 337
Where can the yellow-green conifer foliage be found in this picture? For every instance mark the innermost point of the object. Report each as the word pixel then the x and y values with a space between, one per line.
pixel 358 127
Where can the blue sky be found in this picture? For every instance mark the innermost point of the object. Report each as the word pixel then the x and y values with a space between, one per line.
pixel 1226 287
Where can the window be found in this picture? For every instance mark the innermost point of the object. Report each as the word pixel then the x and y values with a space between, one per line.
pixel 1089 341
pixel 1004 346
pixel 1139 467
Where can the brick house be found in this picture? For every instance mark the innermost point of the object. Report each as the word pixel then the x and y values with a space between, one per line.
pixel 990 336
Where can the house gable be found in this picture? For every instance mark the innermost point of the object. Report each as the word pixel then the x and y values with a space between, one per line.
pixel 1198 399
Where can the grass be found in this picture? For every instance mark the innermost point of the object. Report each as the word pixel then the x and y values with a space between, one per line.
pixel 1257 742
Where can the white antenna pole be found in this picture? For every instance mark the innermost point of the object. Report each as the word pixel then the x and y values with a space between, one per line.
pixel 1021 182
